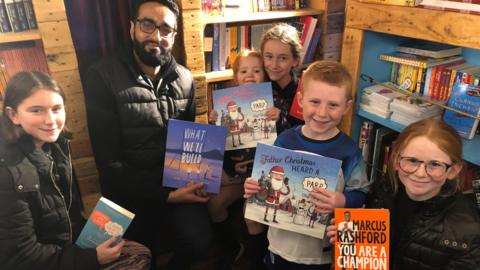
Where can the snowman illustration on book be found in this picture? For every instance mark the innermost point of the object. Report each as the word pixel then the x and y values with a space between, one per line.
pixel 300 213
pixel 273 190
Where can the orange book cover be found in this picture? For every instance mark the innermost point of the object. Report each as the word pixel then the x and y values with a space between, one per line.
pixel 363 239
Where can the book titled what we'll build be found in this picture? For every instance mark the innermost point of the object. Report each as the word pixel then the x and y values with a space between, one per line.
pixel 194 153
pixel 286 177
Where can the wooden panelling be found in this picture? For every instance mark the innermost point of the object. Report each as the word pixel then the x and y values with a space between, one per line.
pixel 84 167
pixel 56 34
pixel 351 49
pixel 192 20
pixel 80 145
pixel 434 25
pixel 193 42
pixel 195 62
pixel 49 10
pixel 191 4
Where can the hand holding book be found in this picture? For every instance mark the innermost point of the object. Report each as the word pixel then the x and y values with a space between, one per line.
pixel 106 253
pixel 188 194
pixel 326 201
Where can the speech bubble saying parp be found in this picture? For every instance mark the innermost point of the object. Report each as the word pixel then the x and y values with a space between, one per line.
pixel 310 182
pixel 258 105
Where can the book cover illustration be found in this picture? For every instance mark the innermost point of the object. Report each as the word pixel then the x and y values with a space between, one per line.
pixel 107 220
pixel 465 98
pixel 363 239
pixel 296 108
pixel 286 177
pixel 194 153
pixel 242 110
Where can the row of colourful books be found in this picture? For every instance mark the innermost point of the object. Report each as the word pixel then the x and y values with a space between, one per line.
pixel 17 16
pixel 222 44
pixel 226 8
pixel 430 69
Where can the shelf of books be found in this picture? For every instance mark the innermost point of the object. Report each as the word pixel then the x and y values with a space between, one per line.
pixel 262 16
pixel 20 36
pixel 470 147
pixel 373 46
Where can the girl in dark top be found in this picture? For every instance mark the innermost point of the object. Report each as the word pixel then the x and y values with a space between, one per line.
pixel 39 200
pixel 433 225
pixel 281 49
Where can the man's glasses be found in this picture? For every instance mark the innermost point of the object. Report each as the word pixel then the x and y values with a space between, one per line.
pixel 148 26
pixel 433 168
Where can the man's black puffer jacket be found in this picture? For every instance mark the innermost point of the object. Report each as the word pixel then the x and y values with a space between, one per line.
pixel 40 209
pixel 443 234
pixel 127 118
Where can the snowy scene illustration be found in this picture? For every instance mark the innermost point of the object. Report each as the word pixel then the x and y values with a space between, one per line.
pixel 242 110
pixel 286 177
pixel 194 153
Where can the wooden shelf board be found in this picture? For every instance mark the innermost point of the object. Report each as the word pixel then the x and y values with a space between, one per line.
pixel 263 16
pixel 470 147
pixel 218 76
pixel 20 36
pixel 435 25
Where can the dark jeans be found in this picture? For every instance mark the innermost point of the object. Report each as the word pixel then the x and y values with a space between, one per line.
pixel 275 262
pixel 186 226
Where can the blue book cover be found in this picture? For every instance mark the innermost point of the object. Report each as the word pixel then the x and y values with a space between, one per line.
pixel 194 153
pixel 286 177
pixel 107 220
pixel 242 110
pixel 465 98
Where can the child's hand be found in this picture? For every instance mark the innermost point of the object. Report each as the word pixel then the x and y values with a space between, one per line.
pixel 212 117
pixel 327 200
pixel 250 187
pixel 242 167
pixel 332 231
pixel 107 254
pixel 272 114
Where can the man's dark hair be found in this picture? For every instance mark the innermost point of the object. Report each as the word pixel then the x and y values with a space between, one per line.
pixel 170 4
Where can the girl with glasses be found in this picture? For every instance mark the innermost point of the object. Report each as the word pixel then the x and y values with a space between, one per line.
pixel 433 225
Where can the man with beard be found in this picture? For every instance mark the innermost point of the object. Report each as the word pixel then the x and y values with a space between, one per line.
pixel 130 96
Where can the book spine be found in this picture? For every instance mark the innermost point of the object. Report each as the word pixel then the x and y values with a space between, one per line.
pixel 22 17
pixel 12 16
pixel 216 48
pixel 4 22
pixel 30 13
pixel 408 62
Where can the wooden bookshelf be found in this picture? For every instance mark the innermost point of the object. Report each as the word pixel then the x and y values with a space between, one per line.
pixel 389 24
pixel 263 16
pixel 20 36
pixel 219 76
pixel 194 24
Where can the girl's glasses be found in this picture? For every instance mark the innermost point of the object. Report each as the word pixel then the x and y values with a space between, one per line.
pixel 433 168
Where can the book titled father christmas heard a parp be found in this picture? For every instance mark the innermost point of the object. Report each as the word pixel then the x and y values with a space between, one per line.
pixel 286 178
pixel 241 110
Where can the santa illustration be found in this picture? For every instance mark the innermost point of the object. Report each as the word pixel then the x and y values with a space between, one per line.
pixel 233 120
pixel 277 181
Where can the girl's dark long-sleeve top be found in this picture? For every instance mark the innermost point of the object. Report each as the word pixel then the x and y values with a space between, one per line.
pixel 40 209
pixel 441 233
